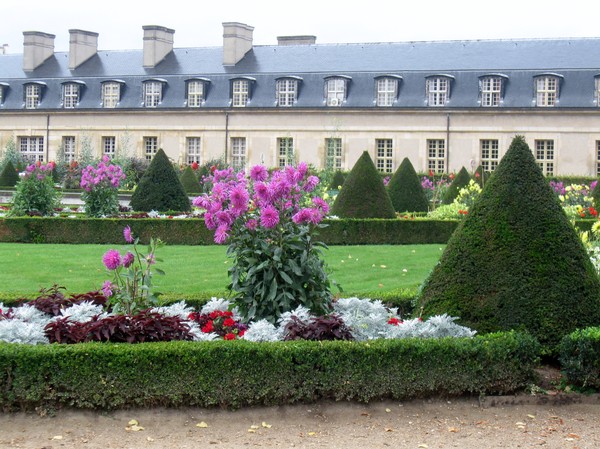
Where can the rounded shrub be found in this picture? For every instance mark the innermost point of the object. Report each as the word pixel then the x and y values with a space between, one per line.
pixel 516 261
pixel 160 188
pixel 461 180
pixel 363 194
pixel 9 176
pixel 406 191
pixel 190 183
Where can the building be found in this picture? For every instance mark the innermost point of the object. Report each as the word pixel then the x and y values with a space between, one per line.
pixel 443 105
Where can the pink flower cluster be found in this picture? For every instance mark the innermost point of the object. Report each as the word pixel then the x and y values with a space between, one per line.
pixel 105 175
pixel 112 259
pixel 262 200
pixel 39 170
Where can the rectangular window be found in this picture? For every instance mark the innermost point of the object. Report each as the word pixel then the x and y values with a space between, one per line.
pixel 333 155
pixel 240 93
pixel 285 151
pixel 195 94
pixel 152 93
pixel 546 88
pixel 32 148
pixel 491 89
pixel 150 147
pixel 192 150
pixel 286 92
pixel 335 91
pixel 437 91
pixel 111 94
pixel 436 155
pixel 70 95
pixel 386 91
pixel 68 145
pixel 544 155
pixel 597 158
pixel 109 145
pixel 384 156
pixel 238 153
pixel 1 94
pixel 33 93
pixel 489 154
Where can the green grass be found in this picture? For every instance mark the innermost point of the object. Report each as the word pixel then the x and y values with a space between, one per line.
pixel 25 268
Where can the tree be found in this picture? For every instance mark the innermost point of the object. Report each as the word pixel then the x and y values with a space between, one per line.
pixel 406 191
pixel 516 261
pixel 460 181
pixel 160 188
pixel 363 194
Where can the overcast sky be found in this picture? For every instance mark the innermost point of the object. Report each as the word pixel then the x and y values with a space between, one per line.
pixel 198 23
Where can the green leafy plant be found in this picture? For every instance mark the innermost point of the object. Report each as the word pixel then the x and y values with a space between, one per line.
pixel 35 193
pixel 101 188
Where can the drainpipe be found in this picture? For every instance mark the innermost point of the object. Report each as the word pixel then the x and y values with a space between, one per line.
pixel 48 138
pixel 448 142
pixel 226 134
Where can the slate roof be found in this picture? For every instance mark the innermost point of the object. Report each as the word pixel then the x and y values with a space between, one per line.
pixel 576 60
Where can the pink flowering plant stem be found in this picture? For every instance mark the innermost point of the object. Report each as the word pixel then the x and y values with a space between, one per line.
pixel 130 289
pixel 270 222
pixel 100 186
pixel 35 193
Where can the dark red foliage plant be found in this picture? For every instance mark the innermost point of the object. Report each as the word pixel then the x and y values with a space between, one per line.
pixel 330 327
pixel 52 300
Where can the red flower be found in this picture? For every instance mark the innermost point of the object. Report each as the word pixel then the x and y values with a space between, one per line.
pixel 451 176
pixel 394 321
pixel 477 175
pixel 214 314
pixel 229 336
pixel 192 316
pixel 431 173
pixel 74 164
pixel 208 327
pixel 194 165
pixel 213 168
pixel 228 322
pixel 593 212
pixel 582 214
pixel 227 313
pixel 242 332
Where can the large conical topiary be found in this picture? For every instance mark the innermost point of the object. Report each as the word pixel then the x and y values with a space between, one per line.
pixel 9 176
pixel 190 183
pixel 160 188
pixel 516 261
pixel 363 194
pixel 460 181
pixel 406 191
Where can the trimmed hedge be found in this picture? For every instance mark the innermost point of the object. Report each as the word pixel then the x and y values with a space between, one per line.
pixel 239 373
pixel 580 357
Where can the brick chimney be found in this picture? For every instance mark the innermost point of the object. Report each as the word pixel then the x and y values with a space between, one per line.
pixel 158 43
pixel 82 46
pixel 37 47
pixel 237 41
pixel 296 40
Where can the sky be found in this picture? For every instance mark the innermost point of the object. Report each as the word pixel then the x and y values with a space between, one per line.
pixel 199 23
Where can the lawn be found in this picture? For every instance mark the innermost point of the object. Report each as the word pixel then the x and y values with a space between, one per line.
pixel 25 268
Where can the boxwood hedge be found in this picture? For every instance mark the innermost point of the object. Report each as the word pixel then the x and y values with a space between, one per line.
pixel 580 357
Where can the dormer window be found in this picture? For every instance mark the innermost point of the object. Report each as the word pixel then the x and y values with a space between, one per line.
pixel 336 90
pixel 547 90
pixel 438 90
pixel 196 92
pixel 286 91
pixel 33 95
pixel 153 92
pixel 3 88
pixel 386 90
pixel 111 93
pixel 491 89
pixel 241 91
pixel 597 90
pixel 70 94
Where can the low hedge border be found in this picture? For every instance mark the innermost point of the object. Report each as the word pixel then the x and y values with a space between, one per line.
pixel 580 357
pixel 239 373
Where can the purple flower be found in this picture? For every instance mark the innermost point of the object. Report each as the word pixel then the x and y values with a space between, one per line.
pixel 150 259
pixel 107 289
pixel 127 234
pixel 269 217
pixel 302 216
pixel 259 173
pixel 239 197
pixel 263 192
pixel 311 183
pixel 221 234
pixel 252 224
pixel 321 204
pixel 128 259
pixel 111 259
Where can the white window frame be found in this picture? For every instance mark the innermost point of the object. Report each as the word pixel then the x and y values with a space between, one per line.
pixel 240 93
pixel 597 158
pixel 286 92
pixel 70 97
pixel 438 91
pixel 33 95
pixel 109 146
pixel 386 91
pixel 436 155
pixel 32 148
pixel 111 94
pixel 152 93
pixel 333 153
pixel 1 93
pixel 195 93
pixel 546 91
pixel 489 151
pixel 193 150
pixel 335 91
pixel 238 153
pixel 150 147
pixel 384 155
pixel 285 151
pixel 491 91
pixel 68 145
pixel 545 153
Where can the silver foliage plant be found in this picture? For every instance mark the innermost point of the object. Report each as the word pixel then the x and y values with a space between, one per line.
pixel 82 313
pixel 366 319
pixel 17 331
pixel 261 331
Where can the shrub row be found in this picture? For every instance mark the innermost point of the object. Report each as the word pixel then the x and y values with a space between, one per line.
pixel 580 357
pixel 194 232
pixel 233 374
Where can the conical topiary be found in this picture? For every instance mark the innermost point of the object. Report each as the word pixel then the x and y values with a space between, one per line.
pixel 337 180
pixel 190 183
pixel 363 194
pixel 406 191
pixel 160 188
pixel 516 261
pixel 9 176
pixel 460 181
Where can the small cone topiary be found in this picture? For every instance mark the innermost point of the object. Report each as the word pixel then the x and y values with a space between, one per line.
pixel 481 176
pixel 9 176
pixel 337 181
pixel 160 188
pixel 461 180
pixel 406 191
pixel 516 261
pixel 190 183
pixel 363 194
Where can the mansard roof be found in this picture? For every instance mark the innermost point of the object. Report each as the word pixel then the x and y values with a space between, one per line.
pixel 466 61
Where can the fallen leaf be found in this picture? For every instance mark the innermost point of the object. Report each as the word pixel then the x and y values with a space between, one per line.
pixel 573 435
pixel 423 446
pixel 520 424
pixel 252 430
pixel 452 429
pixel 133 422
pixel 202 425
pixel 531 416
pixel 135 428
pixel 150 439
pixel 404 270
pixel 382 266
pixel 57 437
pixel 254 427
pixel 265 425
pixel 389 430
pixel 312 434
pixel 387 410
pixel 365 414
